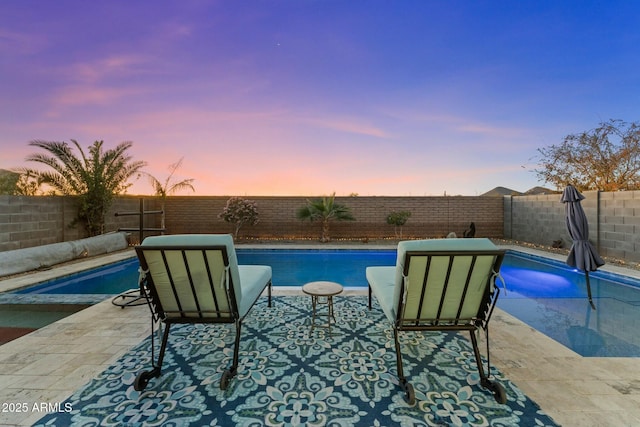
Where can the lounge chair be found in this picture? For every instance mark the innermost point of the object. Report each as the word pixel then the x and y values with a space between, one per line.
pixel 440 285
pixel 196 279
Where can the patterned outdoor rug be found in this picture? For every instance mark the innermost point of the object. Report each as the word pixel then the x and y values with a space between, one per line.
pixel 291 377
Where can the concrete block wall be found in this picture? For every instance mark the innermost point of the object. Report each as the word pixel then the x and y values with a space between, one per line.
pixel 614 218
pixel 536 219
pixel 35 221
pixel 614 221
pixel 619 225
pixel 430 217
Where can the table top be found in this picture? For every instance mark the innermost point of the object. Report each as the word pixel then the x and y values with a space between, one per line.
pixel 322 289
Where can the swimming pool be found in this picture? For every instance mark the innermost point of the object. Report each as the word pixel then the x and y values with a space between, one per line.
pixel 111 279
pixel 290 268
pixel 545 294
pixel 299 266
pixel 552 298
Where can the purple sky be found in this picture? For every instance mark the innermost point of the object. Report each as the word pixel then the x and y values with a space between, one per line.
pixel 307 97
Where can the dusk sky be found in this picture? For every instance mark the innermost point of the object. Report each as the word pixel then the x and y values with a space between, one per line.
pixel 308 97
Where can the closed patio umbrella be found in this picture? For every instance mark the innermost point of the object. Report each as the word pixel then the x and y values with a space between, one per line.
pixel 582 255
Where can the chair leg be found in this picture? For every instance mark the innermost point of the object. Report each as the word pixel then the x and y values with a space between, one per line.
pixel 496 388
pixel 409 393
pixel 144 377
pixel 163 346
pixel 369 297
pixel 236 346
pixel 228 374
pixel 270 286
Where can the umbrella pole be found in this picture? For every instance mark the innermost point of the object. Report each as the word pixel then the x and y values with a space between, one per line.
pixel 586 275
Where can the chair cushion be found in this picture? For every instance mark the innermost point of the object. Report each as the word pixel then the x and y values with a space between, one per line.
pixel 381 281
pixel 246 293
pixel 386 281
pixel 253 279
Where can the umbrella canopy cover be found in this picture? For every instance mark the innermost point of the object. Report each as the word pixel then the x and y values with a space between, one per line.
pixel 583 255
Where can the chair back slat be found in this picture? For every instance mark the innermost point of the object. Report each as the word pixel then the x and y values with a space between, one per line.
pixel 211 282
pixel 189 282
pixel 453 287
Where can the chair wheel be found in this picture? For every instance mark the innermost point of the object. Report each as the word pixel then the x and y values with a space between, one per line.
pixel 224 381
pixel 409 393
pixel 142 380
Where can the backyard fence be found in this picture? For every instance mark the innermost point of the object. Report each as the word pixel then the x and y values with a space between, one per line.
pixel 614 219
pixel 32 221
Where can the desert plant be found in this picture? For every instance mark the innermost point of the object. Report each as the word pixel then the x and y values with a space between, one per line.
pixel 163 189
pixel 398 219
pixel 239 212
pixel 28 185
pixel 96 178
pixel 325 209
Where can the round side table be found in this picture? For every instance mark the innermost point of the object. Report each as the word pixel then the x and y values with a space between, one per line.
pixel 318 291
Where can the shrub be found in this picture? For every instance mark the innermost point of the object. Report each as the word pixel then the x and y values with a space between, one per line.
pixel 239 212
pixel 398 219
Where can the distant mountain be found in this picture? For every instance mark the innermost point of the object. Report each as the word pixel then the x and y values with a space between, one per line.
pixel 504 191
pixel 539 190
pixel 501 191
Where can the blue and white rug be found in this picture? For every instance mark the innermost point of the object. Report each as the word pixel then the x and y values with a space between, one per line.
pixel 289 376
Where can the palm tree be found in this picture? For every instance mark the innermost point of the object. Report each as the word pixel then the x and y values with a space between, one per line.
pixel 325 209
pixel 163 189
pixel 96 177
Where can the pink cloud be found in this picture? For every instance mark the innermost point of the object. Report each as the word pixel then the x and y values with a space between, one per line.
pixel 83 95
pixel 109 67
pixel 350 126
pixel 13 42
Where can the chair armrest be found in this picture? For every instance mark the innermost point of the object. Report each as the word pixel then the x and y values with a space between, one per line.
pixel 253 280
pixel 382 283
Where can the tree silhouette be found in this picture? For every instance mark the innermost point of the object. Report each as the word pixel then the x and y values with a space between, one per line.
pixel 606 158
pixel 167 188
pixel 96 177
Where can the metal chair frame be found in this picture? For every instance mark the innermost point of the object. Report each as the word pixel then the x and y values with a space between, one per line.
pixel 181 316
pixel 480 320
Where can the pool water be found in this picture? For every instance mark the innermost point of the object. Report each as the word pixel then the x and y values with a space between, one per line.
pixel 289 268
pixel 545 294
pixel 297 267
pixel 552 298
pixel 110 279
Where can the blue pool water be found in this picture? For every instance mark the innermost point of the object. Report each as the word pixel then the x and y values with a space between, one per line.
pixel 289 267
pixel 543 293
pixel 552 298
pixel 297 267
pixel 111 279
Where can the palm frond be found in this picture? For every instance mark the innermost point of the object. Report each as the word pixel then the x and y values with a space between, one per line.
pixel 96 175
